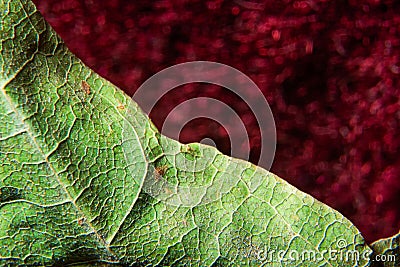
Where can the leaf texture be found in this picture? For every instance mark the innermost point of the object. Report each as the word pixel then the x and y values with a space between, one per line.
pixel 76 155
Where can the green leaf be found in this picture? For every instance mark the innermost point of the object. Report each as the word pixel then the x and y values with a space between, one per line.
pixel 386 252
pixel 76 157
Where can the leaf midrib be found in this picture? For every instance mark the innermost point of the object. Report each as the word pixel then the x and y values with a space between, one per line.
pixel 113 234
pixel 39 149
pixel 29 132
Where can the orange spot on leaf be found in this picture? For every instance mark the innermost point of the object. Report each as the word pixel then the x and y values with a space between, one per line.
pixel 85 87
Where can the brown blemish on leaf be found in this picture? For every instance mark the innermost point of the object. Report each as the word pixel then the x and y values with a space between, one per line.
pixel 190 150
pixel 187 149
pixel 167 191
pixel 81 221
pixel 159 171
pixel 85 87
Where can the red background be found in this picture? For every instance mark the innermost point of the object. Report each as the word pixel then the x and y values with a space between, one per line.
pixel 329 70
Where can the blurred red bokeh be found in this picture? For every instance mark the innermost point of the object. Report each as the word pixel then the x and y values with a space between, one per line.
pixel 329 70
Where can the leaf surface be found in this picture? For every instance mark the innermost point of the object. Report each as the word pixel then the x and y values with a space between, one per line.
pixel 76 157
